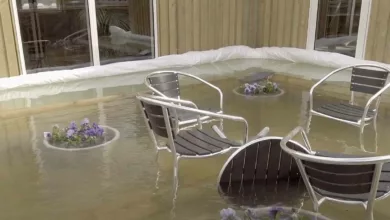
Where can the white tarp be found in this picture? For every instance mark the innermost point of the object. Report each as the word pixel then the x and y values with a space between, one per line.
pixel 287 60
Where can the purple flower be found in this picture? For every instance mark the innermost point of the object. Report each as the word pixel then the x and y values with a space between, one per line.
pixel 73 126
pixel 69 133
pixel 252 87
pixel 247 90
pixel 228 213
pixel 100 131
pixel 47 134
pixel 90 132
pixel 85 121
pixel 274 211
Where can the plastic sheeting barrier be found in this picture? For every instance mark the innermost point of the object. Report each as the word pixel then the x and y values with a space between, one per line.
pixel 199 63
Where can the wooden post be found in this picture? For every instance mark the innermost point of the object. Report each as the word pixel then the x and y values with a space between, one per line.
pixel 139 17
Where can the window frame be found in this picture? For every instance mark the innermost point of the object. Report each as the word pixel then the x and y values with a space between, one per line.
pixel 92 28
pixel 364 21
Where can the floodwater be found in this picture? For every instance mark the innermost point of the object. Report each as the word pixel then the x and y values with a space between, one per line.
pixel 119 181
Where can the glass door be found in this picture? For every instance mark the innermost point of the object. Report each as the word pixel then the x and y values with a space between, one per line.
pixel 69 34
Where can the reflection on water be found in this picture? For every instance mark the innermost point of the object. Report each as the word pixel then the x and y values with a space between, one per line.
pixel 118 182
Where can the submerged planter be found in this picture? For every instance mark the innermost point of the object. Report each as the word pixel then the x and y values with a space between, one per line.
pixel 273 212
pixel 84 137
pixel 241 91
pixel 258 84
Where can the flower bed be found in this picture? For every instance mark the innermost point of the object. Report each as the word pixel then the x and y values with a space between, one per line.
pixel 262 88
pixel 271 213
pixel 86 136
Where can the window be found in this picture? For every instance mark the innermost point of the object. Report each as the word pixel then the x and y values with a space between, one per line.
pixel 56 34
pixel 338 26
pixel 124 30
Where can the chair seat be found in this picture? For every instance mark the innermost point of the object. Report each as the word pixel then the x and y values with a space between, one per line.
pixel 345 111
pixel 383 187
pixel 199 143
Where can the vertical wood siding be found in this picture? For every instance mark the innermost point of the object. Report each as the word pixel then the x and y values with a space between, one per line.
pixel 8 56
pixel 194 25
pixel 378 39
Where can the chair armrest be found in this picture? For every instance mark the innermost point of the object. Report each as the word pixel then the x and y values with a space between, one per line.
pixel 179 101
pixel 264 132
pixel 218 131
pixel 167 104
pixel 146 82
pixel 207 84
pixel 232 118
pixel 292 134
pixel 375 96
pixel 322 80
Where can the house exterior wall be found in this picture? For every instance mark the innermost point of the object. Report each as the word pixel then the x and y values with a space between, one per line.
pixel 194 25
pixel 9 65
pixel 378 39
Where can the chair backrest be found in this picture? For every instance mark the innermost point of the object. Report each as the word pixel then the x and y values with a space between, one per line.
pixel 367 80
pixel 261 164
pixel 326 179
pixel 165 82
pixel 154 116
pixel 342 177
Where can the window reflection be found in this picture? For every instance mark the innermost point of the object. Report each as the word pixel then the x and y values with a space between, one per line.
pixel 54 34
pixel 124 29
pixel 337 26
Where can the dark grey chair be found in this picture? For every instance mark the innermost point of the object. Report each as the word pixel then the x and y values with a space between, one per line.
pixel 260 173
pixel 166 84
pixel 372 81
pixel 339 177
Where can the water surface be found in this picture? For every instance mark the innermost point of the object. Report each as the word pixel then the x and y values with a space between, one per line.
pixel 119 181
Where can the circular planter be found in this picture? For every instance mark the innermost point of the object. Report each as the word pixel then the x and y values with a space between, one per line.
pixel 260 95
pixel 259 213
pixel 115 136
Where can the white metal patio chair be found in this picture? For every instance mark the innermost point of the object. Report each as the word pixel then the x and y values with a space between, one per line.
pixel 161 120
pixel 371 81
pixel 166 84
pixel 340 177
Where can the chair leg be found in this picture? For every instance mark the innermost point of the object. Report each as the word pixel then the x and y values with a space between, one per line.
pixel 376 141
pixel 158 170
pixel 370 210
pixel 362 125
pixel 176 170
pixel 370 214
pixel 375 123
pixel 361 140
pixel 221 124
pixel 308 123
pixel 175 184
